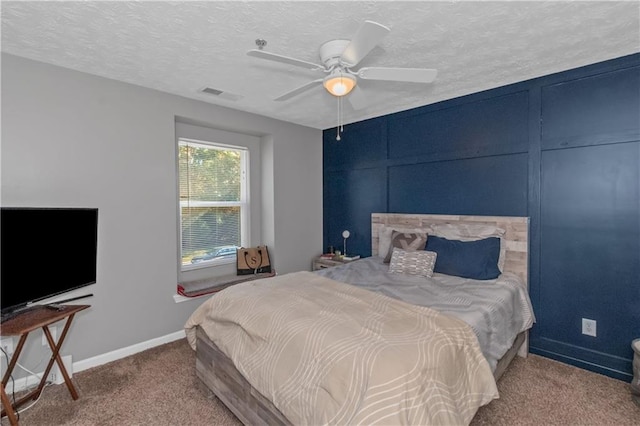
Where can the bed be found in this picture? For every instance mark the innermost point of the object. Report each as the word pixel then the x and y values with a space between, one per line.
pixel 337 346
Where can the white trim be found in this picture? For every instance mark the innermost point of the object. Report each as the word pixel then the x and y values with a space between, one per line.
pixel 178 298
pixel 24 383
pixel 125 352
pixel 210 145
pixel 243 203
pixel 33 380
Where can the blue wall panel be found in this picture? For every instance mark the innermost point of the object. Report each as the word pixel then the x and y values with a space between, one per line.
pixel 477 186
pixel 362 145
pixel 487 126
pixel 351 197
pixel 604 108
pixel 590 257
pixel 562 149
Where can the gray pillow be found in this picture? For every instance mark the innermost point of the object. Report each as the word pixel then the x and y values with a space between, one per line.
pixel 408 241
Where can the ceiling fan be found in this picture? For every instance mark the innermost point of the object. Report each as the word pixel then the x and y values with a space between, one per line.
pixel 339 57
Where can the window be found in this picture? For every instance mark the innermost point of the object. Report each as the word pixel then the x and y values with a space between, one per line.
pixel 214 202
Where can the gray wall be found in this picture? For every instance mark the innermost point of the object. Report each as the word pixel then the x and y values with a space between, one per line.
pixel 73 139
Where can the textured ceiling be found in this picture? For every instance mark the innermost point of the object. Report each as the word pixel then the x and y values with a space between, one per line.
pixel 181 47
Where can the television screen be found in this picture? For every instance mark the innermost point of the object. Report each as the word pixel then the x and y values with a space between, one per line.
pixel 45 252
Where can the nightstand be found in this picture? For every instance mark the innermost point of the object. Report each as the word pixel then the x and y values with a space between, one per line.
pixel 321 263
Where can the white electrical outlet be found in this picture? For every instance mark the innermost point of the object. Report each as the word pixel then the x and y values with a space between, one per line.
pixel 589 327
pixel 54 335
pixel 7 345
pixel 55 376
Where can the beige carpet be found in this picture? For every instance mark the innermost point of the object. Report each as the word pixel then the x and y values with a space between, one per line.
pixel 157 387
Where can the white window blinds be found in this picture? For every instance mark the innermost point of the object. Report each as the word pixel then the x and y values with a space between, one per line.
pixel 213 201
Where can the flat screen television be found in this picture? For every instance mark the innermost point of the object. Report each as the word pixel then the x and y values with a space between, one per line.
pixel 45 252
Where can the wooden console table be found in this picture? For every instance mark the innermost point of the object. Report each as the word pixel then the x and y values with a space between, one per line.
pixel 22 325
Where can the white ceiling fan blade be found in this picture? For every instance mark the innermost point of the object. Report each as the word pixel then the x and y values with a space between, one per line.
pixel 284 59
pixel 411 75
pixel 365 39
pixel 357 98
pixel 299 90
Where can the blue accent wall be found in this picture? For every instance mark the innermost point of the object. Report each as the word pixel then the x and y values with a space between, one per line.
pixel 563 149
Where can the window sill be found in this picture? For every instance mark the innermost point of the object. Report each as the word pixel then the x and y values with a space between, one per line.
pixel 178 298
pixel 212 285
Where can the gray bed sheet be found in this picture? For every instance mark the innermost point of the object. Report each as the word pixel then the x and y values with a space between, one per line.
pixel 497 310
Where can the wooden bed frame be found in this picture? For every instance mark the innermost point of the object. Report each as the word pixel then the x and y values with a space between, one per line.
pixel 218 375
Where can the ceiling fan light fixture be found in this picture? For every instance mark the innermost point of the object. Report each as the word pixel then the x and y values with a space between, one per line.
pixel 339 84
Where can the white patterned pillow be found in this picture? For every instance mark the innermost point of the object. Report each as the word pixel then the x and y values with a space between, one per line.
pixel 419 262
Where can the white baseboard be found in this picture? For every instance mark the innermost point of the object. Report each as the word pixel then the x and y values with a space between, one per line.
pixel 23 383
pixel 124 352
pixel 33 380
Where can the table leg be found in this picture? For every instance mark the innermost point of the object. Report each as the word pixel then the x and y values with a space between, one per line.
pixel 55 357
pixel 14 359
pixel 8 408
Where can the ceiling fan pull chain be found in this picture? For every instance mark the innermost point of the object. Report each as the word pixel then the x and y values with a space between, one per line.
pixel 338 126
pixel 341 114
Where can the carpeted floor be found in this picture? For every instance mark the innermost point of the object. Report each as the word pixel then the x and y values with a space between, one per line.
pixel 157 387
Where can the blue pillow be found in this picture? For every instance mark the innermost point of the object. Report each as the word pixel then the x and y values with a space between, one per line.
pixel 468 259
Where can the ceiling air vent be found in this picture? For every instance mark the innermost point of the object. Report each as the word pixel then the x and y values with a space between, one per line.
pixel 221 94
